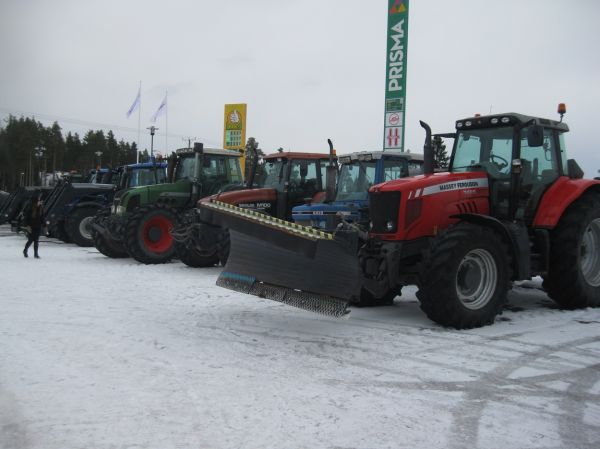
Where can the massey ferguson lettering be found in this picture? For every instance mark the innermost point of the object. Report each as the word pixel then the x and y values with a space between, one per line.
pixel 396 58
pixel 470 184
pixel 459 185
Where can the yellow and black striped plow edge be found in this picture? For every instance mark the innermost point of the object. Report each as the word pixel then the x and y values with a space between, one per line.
pixel 249 214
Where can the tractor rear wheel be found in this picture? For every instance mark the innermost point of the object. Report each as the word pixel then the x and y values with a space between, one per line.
pixel 223 245
pixel 192 258
pixel 147 234
pixel 465 278
pixel 573 279
pixel 78 226
pixel 109 247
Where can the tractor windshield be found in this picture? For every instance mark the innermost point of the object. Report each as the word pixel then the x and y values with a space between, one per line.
pixel 355 180
pixel 185 168
pixel 272 173
pixel 145 177
pixel 488 150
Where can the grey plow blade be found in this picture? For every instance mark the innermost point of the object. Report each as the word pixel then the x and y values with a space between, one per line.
pixel 298 266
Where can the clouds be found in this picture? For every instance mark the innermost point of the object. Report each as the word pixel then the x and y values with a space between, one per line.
pixel 307 69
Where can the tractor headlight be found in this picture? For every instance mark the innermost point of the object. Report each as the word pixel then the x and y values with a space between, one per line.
pixel 120 210
pixel 494 121
pixel 389 226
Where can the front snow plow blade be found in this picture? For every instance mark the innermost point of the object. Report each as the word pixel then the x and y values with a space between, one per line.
pixel 274 259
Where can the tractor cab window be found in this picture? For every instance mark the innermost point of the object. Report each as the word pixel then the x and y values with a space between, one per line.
pixel 539 169
pixel 563 153
pixel 538 164
pixel 355 180
pixel 273 172
pixel 304 180
pixel 488 150
pixel 145 176
pixel 221 170
pixel 394 169
pixel 185 168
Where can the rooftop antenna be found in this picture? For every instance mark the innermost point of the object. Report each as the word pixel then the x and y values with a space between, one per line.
pixel 189 141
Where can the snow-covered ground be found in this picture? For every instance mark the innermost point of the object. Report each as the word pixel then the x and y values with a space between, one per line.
pixel 110 354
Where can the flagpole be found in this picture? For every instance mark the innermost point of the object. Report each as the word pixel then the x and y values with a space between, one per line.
pixel 137 151
pixel 166 123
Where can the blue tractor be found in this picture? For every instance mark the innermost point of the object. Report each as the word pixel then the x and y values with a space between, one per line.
pixel 358 172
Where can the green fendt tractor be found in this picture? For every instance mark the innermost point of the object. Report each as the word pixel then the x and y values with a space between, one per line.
pixel 141 217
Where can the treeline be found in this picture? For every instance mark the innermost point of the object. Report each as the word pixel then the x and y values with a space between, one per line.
pixel 28 149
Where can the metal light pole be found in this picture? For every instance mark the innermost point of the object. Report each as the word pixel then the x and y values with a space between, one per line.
pixel 99 154
pixel 152 129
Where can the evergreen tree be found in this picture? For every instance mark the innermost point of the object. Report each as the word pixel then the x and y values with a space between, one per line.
pixel 440 156
pixel 54 145
pixel 112 158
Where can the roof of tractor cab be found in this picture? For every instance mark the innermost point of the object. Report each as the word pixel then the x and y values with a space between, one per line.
pixel 147 165
pixel 216 151
pixel 296 155
pixel 370 155
pixel 507 119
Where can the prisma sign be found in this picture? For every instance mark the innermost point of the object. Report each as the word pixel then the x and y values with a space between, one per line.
pixel 395 80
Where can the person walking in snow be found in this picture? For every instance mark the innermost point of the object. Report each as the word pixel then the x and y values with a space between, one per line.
pixel 33 217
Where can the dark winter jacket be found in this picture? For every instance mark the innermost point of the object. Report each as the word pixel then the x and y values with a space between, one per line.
pixel 33 216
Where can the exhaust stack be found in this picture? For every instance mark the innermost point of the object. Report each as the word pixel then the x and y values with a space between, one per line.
pixel 427 150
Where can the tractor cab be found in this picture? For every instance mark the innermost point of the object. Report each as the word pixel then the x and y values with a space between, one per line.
pixel 358 172
pixel 522 157
pixel 282 181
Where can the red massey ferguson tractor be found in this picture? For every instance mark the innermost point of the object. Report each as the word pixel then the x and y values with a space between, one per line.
pixel 510 207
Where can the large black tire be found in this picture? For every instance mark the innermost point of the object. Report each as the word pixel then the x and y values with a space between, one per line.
pixel 61 233
pixel 465 277
pixel 573 278
pixel 109 247
pixel 192 258
pixel 368 300
pixel 78 226
pixel 147 234
pixel 223 245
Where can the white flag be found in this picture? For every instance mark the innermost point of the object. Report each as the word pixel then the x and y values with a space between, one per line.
pixel 136 102
pixel 162 109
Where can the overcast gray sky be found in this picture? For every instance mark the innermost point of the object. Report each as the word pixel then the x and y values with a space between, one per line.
pixel 308 69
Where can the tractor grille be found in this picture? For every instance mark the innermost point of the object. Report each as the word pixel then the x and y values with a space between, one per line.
pixel 384 208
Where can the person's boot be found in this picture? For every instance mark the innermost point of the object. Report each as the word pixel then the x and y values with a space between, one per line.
pixel 36 255
pixel 25 253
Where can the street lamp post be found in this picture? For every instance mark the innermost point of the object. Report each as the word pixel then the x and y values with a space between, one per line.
pixel 99 154
pixel 152 129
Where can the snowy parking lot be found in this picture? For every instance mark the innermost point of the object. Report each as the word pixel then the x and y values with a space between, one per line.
pixel 109 354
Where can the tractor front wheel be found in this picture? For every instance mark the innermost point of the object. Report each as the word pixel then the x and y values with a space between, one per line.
pixel 465 278
pixel 573 279
pixel 109 247
pixel 148 240
pixel 78 226
pixel 193 258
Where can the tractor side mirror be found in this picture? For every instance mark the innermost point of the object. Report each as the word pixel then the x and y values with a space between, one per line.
pixel 535 136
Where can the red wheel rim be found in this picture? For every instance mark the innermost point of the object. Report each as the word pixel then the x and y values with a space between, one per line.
pixel 156 234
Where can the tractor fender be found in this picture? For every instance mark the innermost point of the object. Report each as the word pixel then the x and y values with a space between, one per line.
pixel 516 237
pixel 559 196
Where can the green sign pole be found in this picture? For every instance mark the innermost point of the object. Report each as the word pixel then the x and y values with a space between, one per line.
pixel 395 79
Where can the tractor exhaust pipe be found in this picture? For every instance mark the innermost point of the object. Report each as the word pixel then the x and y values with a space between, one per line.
pixel 199 155
pixel 253 166
pixel 427 150
pixel 331 176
